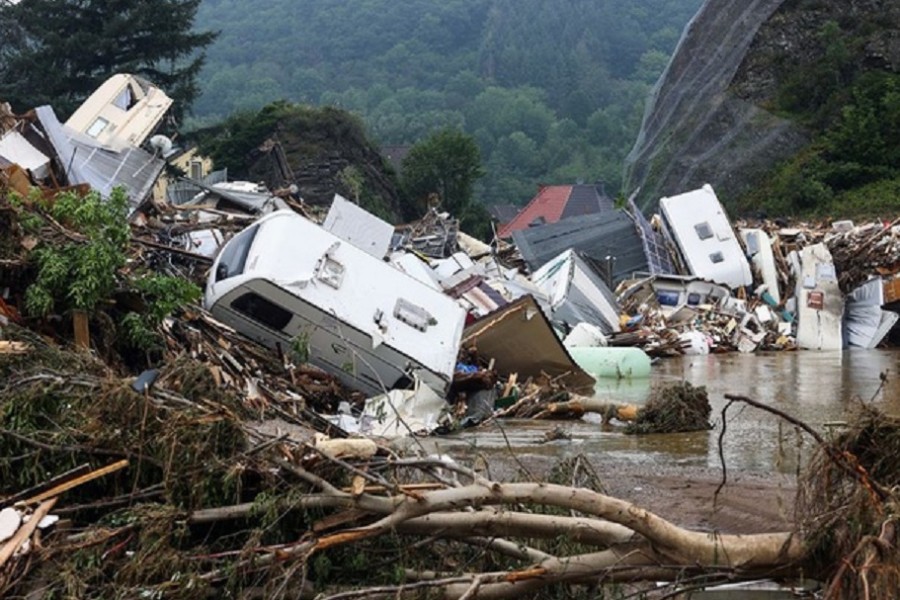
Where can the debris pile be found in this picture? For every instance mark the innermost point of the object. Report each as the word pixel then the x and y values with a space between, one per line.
pixel 382 326
pixel 848 507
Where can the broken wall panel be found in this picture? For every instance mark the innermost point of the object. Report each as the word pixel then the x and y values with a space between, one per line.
pixel 759 249
pixel 520 339
pixel 865 323
pixel 16 149
pixel 576 294
pixel 820 302
pixel 359 227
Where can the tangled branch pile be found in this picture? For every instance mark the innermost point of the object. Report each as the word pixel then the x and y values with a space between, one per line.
pixel 227 492
pixel 851 508
pixel 672 409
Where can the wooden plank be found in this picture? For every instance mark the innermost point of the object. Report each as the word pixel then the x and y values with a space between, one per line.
pixel 7 347
pixel 82 329
pixel 891 290
pixel 68 485
pixel 50 483
pixel 25 531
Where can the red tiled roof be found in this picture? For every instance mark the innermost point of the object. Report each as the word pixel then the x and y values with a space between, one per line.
pixel 547 205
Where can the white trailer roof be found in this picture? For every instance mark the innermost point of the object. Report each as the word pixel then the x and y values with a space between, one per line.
pixel 358 289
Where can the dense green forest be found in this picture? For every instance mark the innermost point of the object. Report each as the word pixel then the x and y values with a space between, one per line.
pixel 552 92
pixel 852 166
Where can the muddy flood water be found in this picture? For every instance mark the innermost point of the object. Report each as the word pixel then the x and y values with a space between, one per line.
pixel 820 388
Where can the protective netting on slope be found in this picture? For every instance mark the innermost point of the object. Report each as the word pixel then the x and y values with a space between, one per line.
pixel 689 117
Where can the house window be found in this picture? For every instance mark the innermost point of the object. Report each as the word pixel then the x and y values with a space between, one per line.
pixel 704 231
pixel 717 257
pixel 260 309
pixel 97 127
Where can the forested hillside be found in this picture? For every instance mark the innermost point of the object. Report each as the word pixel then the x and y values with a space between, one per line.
pixel 553 92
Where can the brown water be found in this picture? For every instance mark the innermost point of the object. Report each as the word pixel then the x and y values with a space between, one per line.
pixel 819 388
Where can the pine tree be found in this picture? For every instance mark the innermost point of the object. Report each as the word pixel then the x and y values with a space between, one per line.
pixel 58 51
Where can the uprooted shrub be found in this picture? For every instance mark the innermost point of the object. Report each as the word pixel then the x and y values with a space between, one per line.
pixel 79 247
pixel 672 409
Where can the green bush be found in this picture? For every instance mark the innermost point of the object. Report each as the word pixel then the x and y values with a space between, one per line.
pixel 80 264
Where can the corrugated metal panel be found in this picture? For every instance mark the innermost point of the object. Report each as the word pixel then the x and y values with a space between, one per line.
pixel 611 233
pixel 658 258
pixel 183 191
pixel 358 226
pixel 84 161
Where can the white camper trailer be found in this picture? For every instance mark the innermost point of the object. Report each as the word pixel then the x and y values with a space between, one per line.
pixel 705 238
pixel 122 112
pixel 285 280
pixel 576 293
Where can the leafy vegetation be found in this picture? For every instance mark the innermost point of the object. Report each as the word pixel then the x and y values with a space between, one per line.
pixel 81 265
pixel 551 92
pixel 445 167
pixel 853 166
pixel 78 274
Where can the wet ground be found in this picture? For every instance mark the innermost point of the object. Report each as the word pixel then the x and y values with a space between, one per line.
pixel 677 474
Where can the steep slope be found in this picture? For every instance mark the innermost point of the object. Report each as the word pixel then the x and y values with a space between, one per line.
pixel 751 84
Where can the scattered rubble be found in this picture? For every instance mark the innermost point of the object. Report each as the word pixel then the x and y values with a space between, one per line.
pixel 387 309
pixel 324 337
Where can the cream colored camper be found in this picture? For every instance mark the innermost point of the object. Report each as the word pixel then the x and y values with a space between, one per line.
pixel 124 111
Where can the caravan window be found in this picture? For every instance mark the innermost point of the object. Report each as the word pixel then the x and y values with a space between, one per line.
pixel 234 256
pixel 667 298
pixel 97 127
pixel 260 309
pixel 704 231
pixel 717 257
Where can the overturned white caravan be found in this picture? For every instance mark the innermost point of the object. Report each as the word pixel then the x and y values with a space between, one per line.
pixel 285 281
pixel 123 112
pixel 705 238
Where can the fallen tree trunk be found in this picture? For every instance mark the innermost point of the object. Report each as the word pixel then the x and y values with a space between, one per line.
pixel 240 506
